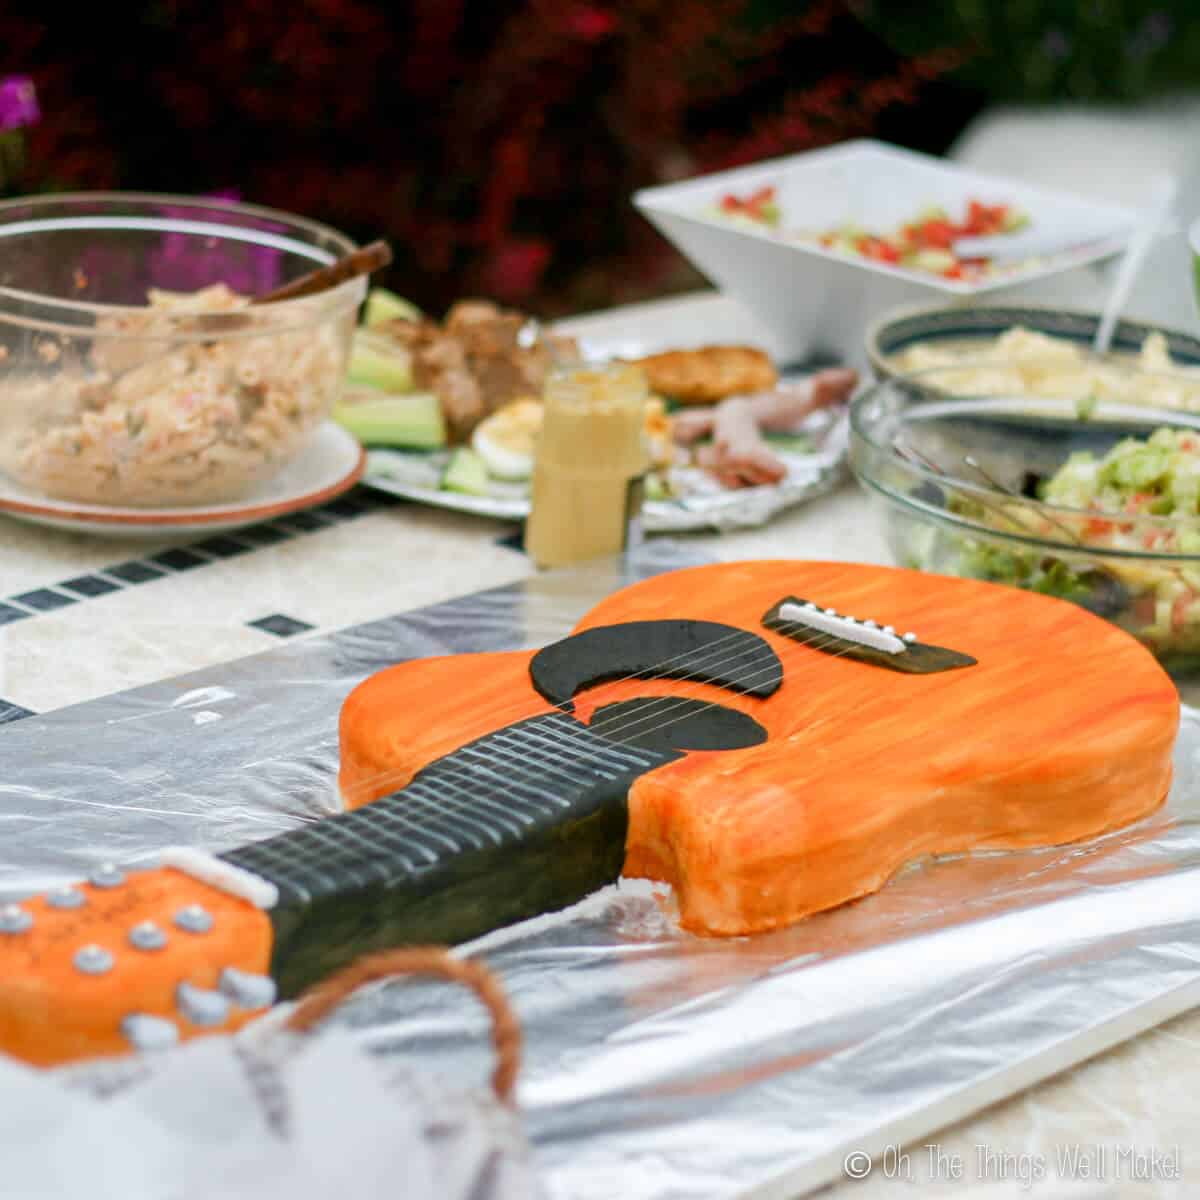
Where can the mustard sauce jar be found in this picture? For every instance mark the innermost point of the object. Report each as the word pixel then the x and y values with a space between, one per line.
pixel 590 465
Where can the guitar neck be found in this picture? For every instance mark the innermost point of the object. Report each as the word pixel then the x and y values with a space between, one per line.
pixel 501 829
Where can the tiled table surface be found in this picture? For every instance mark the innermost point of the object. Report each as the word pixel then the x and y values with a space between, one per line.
pixel 81 617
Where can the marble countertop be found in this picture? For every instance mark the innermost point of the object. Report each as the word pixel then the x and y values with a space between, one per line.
pixel 81 617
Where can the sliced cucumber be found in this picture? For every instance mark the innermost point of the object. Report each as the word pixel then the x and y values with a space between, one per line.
pixel 383 305
pixel 657 487
pixel 412 420
pixel 378 362
pixel 794 443
pixel 466 472
pixel 929 260
pixel 931 212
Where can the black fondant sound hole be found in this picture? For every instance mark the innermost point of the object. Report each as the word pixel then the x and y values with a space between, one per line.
pixel 704 651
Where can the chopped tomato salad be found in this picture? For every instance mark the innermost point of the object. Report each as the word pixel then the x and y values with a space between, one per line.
pixel 923 244
pixel 759 206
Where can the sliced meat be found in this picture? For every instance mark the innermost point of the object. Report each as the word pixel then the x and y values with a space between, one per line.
pixel 692 424
pixel 784 409
pixel 739 455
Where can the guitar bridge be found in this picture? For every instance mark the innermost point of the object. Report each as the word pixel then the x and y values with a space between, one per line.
pixel 868 641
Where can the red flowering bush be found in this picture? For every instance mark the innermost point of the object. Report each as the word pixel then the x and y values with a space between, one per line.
pixel 495 145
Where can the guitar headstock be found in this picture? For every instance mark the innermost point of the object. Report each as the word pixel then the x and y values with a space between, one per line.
pixel 126 961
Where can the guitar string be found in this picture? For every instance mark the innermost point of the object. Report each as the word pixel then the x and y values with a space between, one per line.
pixel 817 641
pixel 453 778
pixel 766 672
pixel 653 671
pixel 746 681
pixel 409 814
pixel 650 672
pixel 704 663
pixel 471 798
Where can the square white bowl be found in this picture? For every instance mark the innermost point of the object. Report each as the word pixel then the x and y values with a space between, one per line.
pixel 818 302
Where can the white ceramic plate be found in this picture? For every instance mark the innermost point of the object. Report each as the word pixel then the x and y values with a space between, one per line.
pixel 330 464
pixel 701 503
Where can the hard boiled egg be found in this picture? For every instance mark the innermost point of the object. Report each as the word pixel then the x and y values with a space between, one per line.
pixel 505 440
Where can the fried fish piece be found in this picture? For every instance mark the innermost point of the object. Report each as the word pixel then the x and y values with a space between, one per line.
pixel 708 374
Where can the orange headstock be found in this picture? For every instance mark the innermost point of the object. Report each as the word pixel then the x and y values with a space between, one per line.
pixel 194 956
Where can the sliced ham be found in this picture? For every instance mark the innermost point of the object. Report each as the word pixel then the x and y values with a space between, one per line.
pixel 739 455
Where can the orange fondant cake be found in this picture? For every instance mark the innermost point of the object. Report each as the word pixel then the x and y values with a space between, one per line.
pixel 727 729
pixel 1062 730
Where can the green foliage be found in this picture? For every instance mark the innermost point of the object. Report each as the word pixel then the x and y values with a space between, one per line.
pixel 1106 50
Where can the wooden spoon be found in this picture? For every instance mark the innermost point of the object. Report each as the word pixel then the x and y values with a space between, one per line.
pixel 364 261
pixel 369 259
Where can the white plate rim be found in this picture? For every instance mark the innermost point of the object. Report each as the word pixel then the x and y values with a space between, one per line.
pixel 247 511
pixel 731 509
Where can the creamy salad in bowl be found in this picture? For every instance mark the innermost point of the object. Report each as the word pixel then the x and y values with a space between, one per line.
pixel 143 416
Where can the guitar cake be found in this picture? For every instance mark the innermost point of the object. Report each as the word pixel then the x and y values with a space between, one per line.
pixel 730 730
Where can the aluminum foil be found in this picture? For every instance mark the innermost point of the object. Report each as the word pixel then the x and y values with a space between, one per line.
pixel 657 1064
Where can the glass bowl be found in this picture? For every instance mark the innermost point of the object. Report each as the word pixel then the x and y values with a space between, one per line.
pixel 134 372
pixel 956 478
pixel 1193 235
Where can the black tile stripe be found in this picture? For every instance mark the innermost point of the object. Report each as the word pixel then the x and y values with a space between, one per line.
pixel 12 712
pixel 104 580
pixel 179 559
pixel 264 535
pixel 222 547
pixel 281 625
pixel 306 522
pixel 90 585
pixel 44 599
pixel 134 572
pixel 346 506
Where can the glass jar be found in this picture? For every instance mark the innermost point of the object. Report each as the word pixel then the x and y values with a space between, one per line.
pixel 590 465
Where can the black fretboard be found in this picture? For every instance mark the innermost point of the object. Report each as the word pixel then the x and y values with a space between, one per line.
pixel 485 796
pixel 522 821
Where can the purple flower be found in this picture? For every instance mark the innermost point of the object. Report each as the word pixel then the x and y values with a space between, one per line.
pixel 1152 35
pixel 186 262
pixel 1056 45
pixel 18 102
